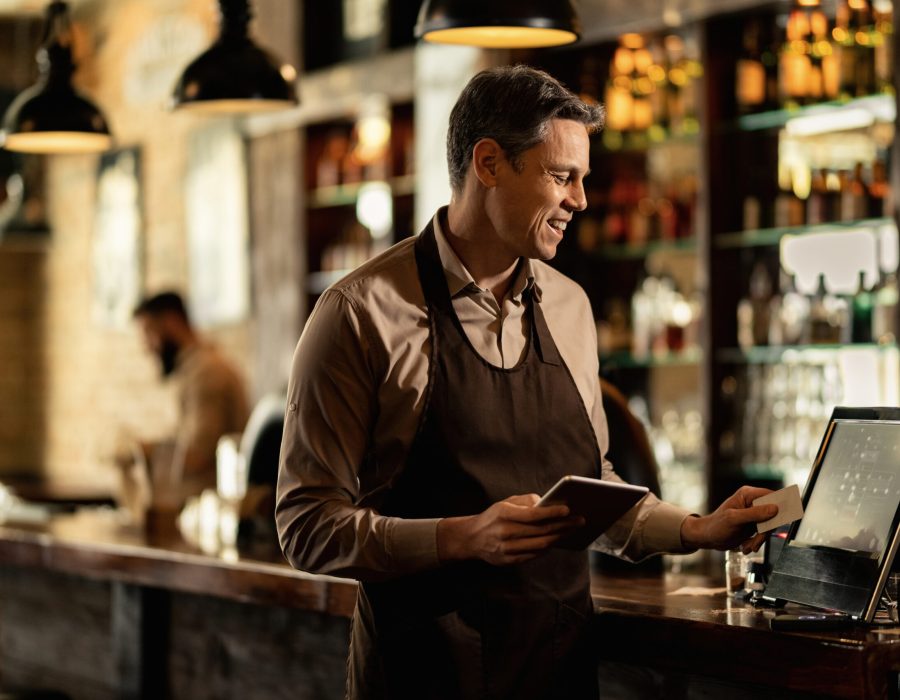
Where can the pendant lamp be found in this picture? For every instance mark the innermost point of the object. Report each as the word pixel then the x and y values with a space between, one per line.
pixel 50 116
pixel 234 75
pixel 499 23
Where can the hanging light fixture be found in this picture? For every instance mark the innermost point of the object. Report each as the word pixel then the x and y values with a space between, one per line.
pixel 50 116
pixel 234 75
pixel 499 24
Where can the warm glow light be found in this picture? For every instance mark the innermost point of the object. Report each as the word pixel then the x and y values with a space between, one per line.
pixel 632 41
pixel 501 37
pixel 288 72
pixel 249 106
pixel 374 208
pixel 57 142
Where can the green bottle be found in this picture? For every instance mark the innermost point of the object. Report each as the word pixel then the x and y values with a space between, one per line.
pixel 863 305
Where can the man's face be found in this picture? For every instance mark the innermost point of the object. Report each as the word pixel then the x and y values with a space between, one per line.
pixel 531 208
pixel 158 340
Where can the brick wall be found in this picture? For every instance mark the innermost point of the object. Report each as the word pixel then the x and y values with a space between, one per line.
pixel 68 386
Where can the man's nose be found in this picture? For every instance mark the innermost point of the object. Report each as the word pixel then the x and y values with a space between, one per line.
pixel 576 200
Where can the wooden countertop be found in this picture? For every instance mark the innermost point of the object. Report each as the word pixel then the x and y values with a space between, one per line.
pixel 95 544
pixel 640 621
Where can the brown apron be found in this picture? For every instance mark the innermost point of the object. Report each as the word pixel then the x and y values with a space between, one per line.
pixel 472 630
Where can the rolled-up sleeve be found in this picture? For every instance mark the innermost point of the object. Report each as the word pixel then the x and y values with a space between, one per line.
pixel 332 407
pixel 652 526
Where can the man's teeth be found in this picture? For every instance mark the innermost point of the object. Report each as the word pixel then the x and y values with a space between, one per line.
pixel 561 225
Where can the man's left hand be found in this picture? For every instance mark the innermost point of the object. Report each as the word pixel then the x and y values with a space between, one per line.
pixel 732 524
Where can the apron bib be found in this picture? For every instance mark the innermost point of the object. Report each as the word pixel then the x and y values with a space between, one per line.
pixel 472 630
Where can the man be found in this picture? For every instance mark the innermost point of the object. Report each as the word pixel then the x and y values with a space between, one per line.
pixel 436 392
pixel 212 400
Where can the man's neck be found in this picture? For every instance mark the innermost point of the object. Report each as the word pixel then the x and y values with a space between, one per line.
pixel 476 244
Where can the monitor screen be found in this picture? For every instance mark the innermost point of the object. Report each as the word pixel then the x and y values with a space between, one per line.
pixel 839 555
pixel 857 490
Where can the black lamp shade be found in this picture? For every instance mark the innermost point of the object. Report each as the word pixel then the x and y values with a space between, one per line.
pixel 499 24
pixel 51 117
pixel 234 76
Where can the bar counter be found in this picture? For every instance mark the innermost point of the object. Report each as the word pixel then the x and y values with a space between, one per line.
pixel 101 611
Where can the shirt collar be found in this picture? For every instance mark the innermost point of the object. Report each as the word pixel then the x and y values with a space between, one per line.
pixel 459 279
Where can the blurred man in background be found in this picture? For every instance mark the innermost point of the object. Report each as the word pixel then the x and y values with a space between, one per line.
pixel 212 402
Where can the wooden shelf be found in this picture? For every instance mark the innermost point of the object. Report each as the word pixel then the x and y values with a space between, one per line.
pixel 630 251
pixel 795 353
pixel 773 236
pixel 625 359
pixel 345 195
pixel 882 108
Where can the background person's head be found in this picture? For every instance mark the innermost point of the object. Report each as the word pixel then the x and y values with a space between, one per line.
pixel 165 326
pixel 512 105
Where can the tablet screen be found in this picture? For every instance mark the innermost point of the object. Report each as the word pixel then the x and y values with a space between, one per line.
pixel 857 490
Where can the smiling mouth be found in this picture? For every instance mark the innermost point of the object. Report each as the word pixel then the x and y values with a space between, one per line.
pixel 558 225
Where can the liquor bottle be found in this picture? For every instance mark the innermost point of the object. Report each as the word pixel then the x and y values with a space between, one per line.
pixel 861 26
pixel 816 206
pixel 854 202
pixel 880 196
pixel 750 79
pixel 753 310
pixel 827 50
pixel 832 196
pixel 658 97
pixel 822 328
pixel 863 307
pixel 794 313
pixel 882 41
pixel 619 101
pixel 794 59
pixel 884 313
pixel 790 210
pixel 676 80
pixel 817 47
pixel 845 44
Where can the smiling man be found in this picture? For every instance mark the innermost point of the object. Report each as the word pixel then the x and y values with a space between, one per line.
pixel 436 392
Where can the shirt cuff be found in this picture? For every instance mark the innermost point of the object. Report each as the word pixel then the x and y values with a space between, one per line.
pixel 662 530
pixel 412 544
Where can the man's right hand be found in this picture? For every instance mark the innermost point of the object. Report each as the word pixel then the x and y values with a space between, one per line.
pixel 509 532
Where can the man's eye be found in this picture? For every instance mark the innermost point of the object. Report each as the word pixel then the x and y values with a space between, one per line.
pixel 560 179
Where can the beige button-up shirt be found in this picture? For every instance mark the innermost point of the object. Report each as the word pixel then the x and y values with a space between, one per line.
pixel 356 396
pixel 212 402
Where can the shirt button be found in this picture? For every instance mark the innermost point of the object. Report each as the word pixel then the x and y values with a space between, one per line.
pixel 292 407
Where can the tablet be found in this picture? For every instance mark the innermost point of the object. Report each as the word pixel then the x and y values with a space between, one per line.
pixel 600 503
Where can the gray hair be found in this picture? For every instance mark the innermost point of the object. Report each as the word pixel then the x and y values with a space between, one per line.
pixel 512 105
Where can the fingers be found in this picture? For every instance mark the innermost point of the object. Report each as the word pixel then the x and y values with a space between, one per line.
pixel 754 543
pixel 529 545
pixel 557 525
pixel 748 494
pixel 531 513
pixel 526 499
pixel 755 514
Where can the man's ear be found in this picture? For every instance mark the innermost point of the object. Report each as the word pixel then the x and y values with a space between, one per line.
pixel 486 157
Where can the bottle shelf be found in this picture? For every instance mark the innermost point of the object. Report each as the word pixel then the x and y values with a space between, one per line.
pixel 634 251
pixel 762 472
pixel 882 108
pixel 655 137
pixel 796 353
pixel 773 236
pixel 344 195
pixel 625 359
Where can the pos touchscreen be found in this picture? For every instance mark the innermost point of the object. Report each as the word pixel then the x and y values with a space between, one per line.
pixel 839 555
